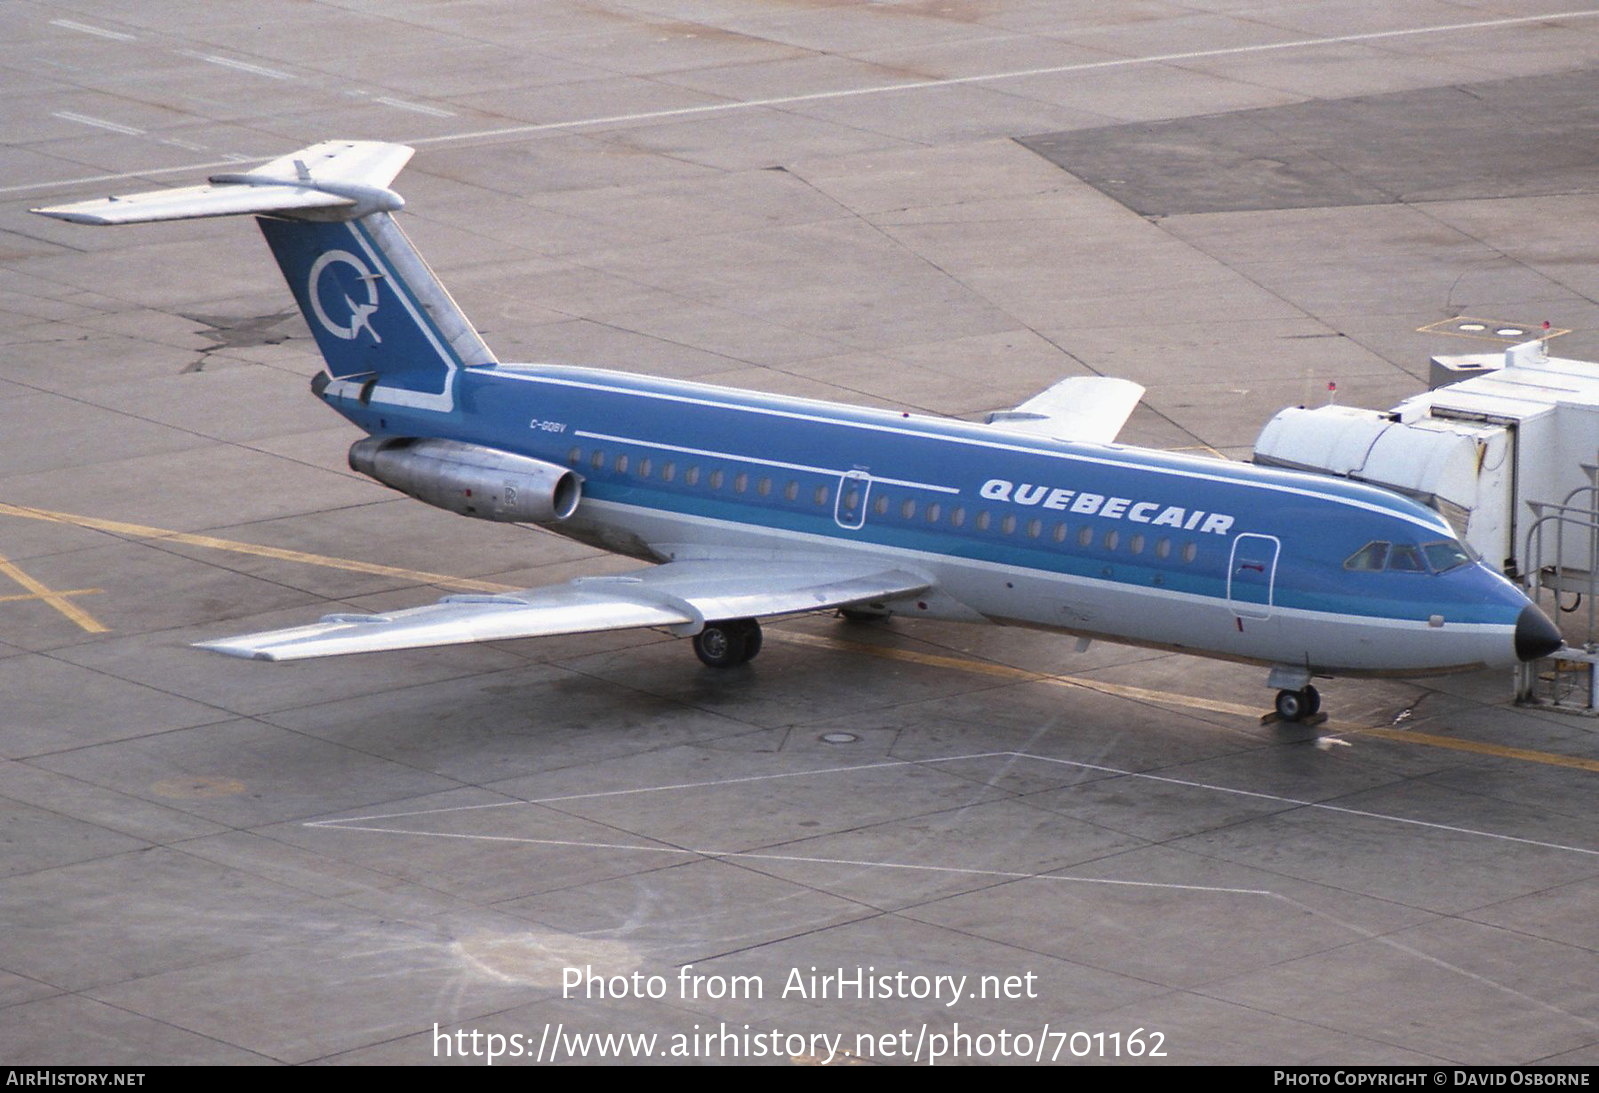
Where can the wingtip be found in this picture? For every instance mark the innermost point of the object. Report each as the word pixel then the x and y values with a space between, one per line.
pixel 228 649
pixel 64 212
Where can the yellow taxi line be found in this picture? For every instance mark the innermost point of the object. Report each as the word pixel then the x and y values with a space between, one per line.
pixel 140 531
pixel 1193 702
pixel 57 600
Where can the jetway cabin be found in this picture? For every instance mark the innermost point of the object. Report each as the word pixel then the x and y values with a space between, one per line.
pixel 1506 446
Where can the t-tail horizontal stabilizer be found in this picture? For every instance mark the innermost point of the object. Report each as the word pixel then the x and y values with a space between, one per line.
pixel 333 180
pixel 385 325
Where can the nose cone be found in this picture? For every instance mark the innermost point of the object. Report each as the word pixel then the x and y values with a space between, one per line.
pixel 1536 636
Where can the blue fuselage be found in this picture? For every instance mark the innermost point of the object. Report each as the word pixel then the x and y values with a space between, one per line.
pixel 1098 540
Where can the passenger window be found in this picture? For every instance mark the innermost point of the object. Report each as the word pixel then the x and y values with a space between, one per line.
pixel 957 516
pixel 983 520
pixel 691 476
pixel 668 471
pixel 822 495
pixel 791 491
pixel 717 478
pixel 1060 533
pixel 644 466
pixel 1135 545
pixel 907 509
pixel 1035 528
pixel 741 482
pixel 764 487
pixel 934 512
pixel 880 506
pixel 1008 524
pixel 1112 537
pixel 1085 537
pixel 597 460
pixel 621 464
pixel 575 456
pixel 1190 552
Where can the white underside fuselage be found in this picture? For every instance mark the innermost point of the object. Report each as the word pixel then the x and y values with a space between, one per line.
pixel 966 590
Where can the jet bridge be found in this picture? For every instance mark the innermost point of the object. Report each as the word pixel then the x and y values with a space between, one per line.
pixel 1506 446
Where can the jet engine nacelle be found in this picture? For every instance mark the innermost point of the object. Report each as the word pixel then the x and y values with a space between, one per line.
pixel 469 479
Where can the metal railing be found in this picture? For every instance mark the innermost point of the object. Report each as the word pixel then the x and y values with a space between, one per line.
pixel 1562 573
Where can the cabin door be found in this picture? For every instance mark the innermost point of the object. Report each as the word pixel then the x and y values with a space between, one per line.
pixel 849 511
pixel 1252 574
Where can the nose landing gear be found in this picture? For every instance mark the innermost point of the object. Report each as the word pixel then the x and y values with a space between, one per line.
pixel 1297 700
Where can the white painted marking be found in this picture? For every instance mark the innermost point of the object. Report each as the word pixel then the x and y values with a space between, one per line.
pixel 1053 70
pixel 363 823
pixel 1296 802
pixel 241 66
pixel 99 32
pixel 854 863
pixel 98 123
pixel 357 823
pixel 416 107
pixel 1302 43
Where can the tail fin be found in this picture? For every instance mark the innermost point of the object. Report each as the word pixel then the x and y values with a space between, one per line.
pixel 377 312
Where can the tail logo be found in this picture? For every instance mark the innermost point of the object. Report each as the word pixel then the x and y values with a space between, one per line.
pixel 338 293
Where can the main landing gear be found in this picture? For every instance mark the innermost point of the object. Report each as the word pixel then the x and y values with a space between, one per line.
pixel 728 643
pixel 1298 705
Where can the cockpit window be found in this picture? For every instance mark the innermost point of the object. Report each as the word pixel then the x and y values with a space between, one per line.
pixel 1404 558
pixel 1446 555
pixel 1370 558
pixel 1438 557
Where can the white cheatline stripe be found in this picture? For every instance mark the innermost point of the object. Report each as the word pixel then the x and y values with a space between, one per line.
pixel 931 561
pixel 895 429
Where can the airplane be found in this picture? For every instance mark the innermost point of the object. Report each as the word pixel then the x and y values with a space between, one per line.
pixel 755 505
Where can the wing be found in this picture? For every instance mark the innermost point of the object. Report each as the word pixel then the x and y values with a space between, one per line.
pixel 678 595
pixel 1087 408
